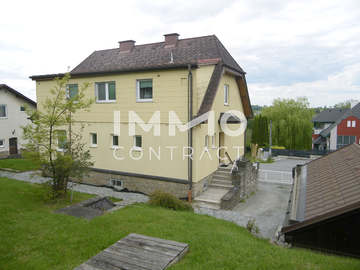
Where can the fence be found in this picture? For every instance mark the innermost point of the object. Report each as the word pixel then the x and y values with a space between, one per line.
pixel 298 153
pixel 276 177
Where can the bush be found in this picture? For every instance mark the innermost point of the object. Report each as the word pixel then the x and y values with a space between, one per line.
pixel 166 200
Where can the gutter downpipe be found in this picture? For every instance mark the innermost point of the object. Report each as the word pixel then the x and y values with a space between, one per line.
pixel 190 142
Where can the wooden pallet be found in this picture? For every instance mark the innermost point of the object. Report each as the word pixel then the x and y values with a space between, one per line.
pixel 139 252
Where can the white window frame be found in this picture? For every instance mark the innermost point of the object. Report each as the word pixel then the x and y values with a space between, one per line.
pixel 348 123
pixel 353 123
pixel 3 143
pixel 91 139
pixel 226 94
pixel 61 149
pixel 135 146
pixel 6 112
pixel 138 99
pixel 107 100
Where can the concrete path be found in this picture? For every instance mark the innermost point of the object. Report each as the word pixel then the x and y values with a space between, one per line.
pixel 35 177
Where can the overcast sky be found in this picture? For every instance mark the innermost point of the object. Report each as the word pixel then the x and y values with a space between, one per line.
pixel 288 48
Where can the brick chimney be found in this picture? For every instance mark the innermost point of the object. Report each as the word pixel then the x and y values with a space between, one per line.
pixel 171 39
pixel 126 45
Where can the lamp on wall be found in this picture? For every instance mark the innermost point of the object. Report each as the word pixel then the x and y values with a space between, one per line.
pixel 13 132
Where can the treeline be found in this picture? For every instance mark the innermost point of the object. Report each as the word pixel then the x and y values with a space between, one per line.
pixel 291 124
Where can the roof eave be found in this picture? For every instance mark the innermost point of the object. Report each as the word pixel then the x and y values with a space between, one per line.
pixel 110 72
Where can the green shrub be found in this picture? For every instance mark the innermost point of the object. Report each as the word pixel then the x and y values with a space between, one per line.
pixel 166 200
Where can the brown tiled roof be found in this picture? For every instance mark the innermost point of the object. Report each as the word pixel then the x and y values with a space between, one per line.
pixel 198 50
pixel 332 186
pixel 18 94
pixel 187 51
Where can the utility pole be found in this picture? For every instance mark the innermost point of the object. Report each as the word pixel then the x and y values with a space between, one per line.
pixel 270 138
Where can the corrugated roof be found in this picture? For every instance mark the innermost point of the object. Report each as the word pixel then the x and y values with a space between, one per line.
pixel 16 93
pixel 332 186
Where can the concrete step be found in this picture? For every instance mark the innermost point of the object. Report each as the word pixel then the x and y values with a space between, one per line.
pixel 211 198
pixel 207 204
pixel 221 181
pixel 220 185
pixel 221 177
pixel 224 169
pixel 223 173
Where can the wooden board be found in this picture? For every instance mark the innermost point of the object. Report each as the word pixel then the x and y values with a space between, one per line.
pixel 139 252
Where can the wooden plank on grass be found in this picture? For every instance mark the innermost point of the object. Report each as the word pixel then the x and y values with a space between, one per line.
pixel 137 252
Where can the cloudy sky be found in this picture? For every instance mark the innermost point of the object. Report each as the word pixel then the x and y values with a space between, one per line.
pixel 288 48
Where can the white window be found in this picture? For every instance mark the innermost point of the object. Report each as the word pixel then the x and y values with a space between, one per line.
pixel 61 139
pixel 2 143
pixel 137 142
pixel 353 123
pixel 105 92
pixel 72 90
pixel 115 140
pixel 206 141
pixel 213 141
pixel 144 90
pixel 93 139
pixel 348 123
pixel 226 94
pixel 3 111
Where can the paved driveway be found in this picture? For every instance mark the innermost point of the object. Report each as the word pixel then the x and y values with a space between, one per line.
pixel 267 206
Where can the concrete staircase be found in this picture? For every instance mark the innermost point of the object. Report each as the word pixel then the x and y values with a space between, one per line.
pixel 220 184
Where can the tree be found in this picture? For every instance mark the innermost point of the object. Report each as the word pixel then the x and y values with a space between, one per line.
pixel 292 126
pixel 52 138
pixel 343 105
pixel 260 132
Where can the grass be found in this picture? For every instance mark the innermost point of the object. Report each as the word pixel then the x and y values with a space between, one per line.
pixel 33 237
pixel 19 164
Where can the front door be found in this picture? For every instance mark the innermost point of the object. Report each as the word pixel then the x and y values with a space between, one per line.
pixel 13 149
pixel 221 144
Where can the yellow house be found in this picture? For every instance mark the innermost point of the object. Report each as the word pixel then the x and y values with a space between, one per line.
pixel 169 83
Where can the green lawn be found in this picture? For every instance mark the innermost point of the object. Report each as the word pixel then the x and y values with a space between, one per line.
pixel 33 237
pixel 19 164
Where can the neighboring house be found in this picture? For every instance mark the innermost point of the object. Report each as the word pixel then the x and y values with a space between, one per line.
pixel 165 76
pixel 335 128
pixel 12 118
pixel 324 207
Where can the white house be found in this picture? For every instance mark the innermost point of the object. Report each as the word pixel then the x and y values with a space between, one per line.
pixel 12 118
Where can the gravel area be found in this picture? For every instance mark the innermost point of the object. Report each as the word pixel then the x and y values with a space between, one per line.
pixel 35 177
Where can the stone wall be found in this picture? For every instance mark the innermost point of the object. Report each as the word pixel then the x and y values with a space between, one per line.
pixel 138 184
pixel 245 177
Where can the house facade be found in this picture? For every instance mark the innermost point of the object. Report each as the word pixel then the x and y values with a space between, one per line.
pixel 171 83
pixel 12 118
pixel 339 127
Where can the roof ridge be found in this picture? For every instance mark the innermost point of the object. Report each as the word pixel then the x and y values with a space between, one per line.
pixel 158 42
